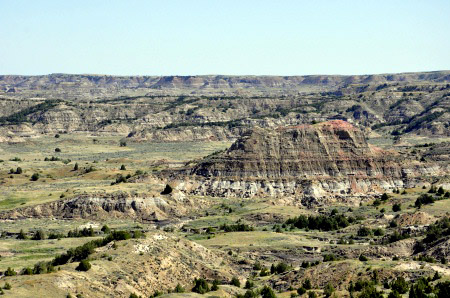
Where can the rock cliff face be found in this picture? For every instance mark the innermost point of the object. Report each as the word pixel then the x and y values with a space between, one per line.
pixel 322 161
pixel 330 149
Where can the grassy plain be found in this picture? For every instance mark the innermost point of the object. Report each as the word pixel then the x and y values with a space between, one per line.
pixel 103 154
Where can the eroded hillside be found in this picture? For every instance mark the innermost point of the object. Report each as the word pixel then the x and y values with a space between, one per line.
pixel 219 107
pixel 224 186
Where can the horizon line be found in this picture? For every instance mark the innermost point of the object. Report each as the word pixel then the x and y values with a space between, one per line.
pixel 225 75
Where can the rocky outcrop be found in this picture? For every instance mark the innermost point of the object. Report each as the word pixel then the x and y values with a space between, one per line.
pixel 334 148
pixel 323 161
pixel 101 206
pixel 192 133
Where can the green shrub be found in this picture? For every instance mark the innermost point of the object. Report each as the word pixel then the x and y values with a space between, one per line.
pixel 443 289
pixel 22 235
pixel 137 234
pixel 215 285
pixel 307 284
pixel 89 169
pixel 423 200
pixel 328 291
pixel 378 232
pixel 120 235
pixel 329 258
pixel 257 266
pixel 249 284
pixel 370 292
pixel 35 177
pixel 235 282
pixel 399 285
pixel 321 222
pixel 55 236
pixel 83 266
pixel 264 272
pixel 167 190
pixel 43 267
pixel 436 276
pixel 200 286
pixel 396 207
pixel 105 229
pixel 437 230
pixel 280 268
pixel 85 232
pixel 396 236
pixel 179 289
pixel 364 232
pixel 301 290
pixel 239 227
pixel 363 258
pixel 38 235
pixel 267 292
pixel 10 272
pixel 248 294
pixel 27 271
pixel 120 179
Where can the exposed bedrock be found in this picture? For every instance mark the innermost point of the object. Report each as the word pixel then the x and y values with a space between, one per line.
pixel 102 205
pixel 312 161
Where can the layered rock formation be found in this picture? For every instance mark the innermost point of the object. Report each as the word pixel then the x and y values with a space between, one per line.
pixel 322 161
pixel 115 205
pixel 209 107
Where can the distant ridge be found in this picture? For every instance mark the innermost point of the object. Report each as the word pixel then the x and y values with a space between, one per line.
pixel 86 81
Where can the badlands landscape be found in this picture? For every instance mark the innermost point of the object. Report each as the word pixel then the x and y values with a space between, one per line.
pixel 225 186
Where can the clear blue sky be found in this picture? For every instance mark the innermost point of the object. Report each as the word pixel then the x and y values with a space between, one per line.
pixel 277 37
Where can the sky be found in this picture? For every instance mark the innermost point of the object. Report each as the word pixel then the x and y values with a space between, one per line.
pixel 245 37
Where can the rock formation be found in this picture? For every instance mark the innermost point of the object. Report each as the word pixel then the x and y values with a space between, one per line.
pixel 210 107
pixel 326 160
pixel 114 205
